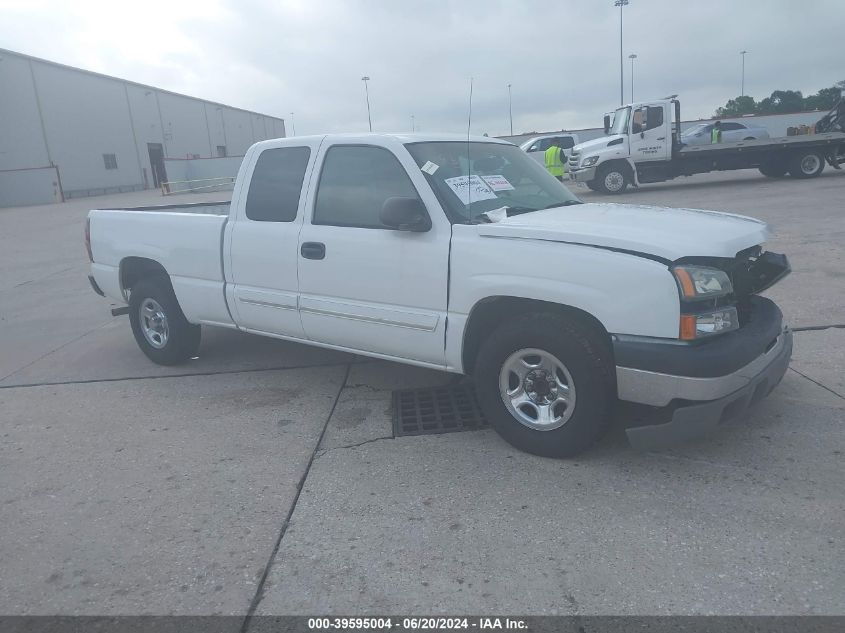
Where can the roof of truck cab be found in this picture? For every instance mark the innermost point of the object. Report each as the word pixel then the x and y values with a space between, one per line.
pixel 410 137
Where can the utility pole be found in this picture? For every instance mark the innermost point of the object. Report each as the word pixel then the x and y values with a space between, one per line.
pixel 412 123
pixel 365 79
pixel 292 126
pixel 510 107
pixel 621 4
pixel 742 85
pixel 632 57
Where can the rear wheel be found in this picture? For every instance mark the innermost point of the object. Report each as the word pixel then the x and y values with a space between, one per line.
pixel 545 384
pixel 774 169
pixel 158 324
pixel 612 178
pixel 806 164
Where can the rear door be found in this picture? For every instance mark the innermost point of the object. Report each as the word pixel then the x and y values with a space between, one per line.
pixel 364 286
pixel 262 250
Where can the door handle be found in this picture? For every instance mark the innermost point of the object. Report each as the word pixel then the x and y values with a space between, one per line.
pixel 661 138
pixel 313 250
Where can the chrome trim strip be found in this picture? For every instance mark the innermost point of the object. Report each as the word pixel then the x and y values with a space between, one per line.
pixel 265 304
pixel 375 320
pixel 658 390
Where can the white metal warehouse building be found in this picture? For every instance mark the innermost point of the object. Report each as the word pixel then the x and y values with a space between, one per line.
pixel 67 132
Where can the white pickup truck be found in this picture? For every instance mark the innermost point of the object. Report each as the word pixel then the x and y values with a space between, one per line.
pixel 464 255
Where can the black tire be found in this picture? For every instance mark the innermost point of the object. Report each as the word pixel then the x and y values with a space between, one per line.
pixel 586 357
pixel 612 178
pixel 592 185
pixel 776 169
pixel 807 163
pixel 182 338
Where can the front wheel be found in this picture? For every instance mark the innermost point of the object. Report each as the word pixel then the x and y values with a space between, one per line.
pixel 545 384
pixel 612 179
pixel 158 324
pixel 806 164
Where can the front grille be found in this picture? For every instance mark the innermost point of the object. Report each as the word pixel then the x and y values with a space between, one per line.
pixel 574 158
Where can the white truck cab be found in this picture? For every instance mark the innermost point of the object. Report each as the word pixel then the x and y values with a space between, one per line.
pixel 468 257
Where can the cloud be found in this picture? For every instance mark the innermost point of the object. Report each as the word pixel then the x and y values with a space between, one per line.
pixel 562 58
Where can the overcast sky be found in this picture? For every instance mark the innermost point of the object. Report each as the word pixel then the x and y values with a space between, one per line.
pixel 562 56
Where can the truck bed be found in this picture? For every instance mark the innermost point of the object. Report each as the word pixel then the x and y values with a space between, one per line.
pixel 766 144
pixel 186 240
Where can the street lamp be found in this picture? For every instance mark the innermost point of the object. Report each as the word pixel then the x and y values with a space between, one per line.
pixel 632 57
pixel 365 79
pixel 742 88
pixel 510 107
pixel 292 125
pixel 621 4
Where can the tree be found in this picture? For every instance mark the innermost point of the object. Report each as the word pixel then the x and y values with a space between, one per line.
pixel 782 101
pixel 737 107
pixel 825 99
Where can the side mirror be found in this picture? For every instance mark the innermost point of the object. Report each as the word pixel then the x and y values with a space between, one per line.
pixel 606 124
pixel 405 214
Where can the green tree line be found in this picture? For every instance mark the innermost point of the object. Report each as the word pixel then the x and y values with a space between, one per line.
pixel 780 102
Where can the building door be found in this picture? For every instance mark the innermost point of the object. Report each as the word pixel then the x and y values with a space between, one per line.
pixel 157 163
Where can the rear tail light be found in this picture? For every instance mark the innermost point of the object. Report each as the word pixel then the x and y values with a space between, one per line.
pixel 88 239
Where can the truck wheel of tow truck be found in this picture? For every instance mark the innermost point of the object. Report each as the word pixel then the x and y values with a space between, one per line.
pixel 546 384
pixel 774 169
pixel 160 328
pixel 592 185
pixel 612 178
pixel 806 164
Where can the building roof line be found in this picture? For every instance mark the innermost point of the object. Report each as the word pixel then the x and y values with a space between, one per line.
pixel 6 51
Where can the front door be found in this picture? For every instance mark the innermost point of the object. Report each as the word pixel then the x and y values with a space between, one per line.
pixel 650 135
pixel 264 239
pixel 157 163
pixel 362 285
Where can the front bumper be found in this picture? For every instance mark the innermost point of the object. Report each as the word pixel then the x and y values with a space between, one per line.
pixel 706 387
pixel 582 174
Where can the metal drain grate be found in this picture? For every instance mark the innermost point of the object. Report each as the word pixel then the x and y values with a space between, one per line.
pixel 434 410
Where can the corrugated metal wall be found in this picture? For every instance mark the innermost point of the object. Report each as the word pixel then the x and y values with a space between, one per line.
pixel 54 115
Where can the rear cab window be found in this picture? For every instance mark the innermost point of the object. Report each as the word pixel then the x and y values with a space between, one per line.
pixel 276 184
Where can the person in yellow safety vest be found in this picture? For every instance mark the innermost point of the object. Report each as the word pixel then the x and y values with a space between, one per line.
pixel 555 161
pixel 716 133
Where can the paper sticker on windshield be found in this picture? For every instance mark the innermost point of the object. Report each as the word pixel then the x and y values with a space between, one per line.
pixel 430 167
pixel 498 183
pixel 470 189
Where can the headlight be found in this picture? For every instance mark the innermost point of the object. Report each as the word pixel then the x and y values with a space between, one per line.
pixel 697 326
pixel 589 162
pixel 699 282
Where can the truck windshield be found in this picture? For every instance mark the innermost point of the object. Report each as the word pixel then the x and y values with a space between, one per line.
pixel 470 179
pixel 620 121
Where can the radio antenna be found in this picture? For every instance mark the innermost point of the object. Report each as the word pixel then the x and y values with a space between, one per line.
pixel 469 162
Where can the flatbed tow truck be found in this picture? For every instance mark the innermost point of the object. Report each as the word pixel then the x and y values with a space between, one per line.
pixel 642 144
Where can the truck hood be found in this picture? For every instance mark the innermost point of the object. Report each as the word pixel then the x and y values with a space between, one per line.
pixel 595 144
pixel 661 232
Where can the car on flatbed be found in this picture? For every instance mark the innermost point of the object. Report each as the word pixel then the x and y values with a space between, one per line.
pixel 466 256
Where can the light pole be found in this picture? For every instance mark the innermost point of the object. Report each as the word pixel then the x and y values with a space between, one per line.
pixel 742 88
pixel 510 107
pixel 365 79
pixel 292 124
pixel 412 123
pixel 621 4
pixel 632 57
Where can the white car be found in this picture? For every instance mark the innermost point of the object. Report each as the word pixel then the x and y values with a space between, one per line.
pixel 536 146
pixel 731 131
pixel 468 257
